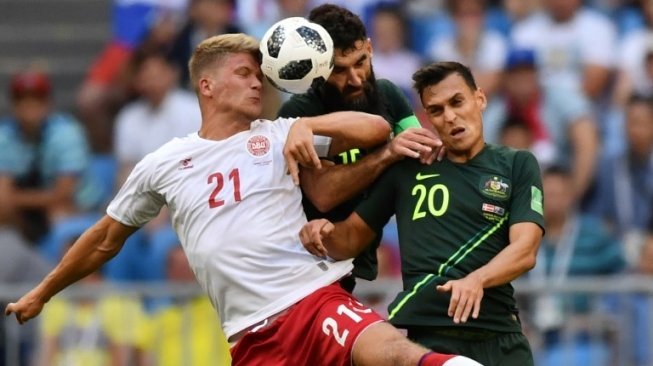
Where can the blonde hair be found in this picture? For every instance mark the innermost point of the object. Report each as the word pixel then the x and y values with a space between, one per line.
pixel 214 49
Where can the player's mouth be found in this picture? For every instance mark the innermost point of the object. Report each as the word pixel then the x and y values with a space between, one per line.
pixel 457 131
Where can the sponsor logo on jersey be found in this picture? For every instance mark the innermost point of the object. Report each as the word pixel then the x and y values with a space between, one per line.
pixel 421 176
pixel 258 146
pixel 185 164
pixel 487 207
pixel 495 187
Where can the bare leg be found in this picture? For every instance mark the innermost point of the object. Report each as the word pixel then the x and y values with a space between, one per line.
pixel 383 345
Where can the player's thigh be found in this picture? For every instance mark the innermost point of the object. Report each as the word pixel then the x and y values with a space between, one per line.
pixel 382 344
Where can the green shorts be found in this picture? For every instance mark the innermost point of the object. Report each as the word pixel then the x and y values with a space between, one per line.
pixel 487 347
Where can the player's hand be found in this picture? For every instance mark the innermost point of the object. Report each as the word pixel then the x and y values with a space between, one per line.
pixel 26 308
pixel 299 149
pixel 312 235
pixel 416 143
pixel 466 296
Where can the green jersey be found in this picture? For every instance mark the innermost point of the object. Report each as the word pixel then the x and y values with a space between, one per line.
pixel 452 219
pixel 396 109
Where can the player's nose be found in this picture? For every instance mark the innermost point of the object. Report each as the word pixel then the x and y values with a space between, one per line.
pixel 353 78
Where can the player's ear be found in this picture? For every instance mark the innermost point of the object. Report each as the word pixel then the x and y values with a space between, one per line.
pixel 205 87
pixel 368 46
pixel 481 99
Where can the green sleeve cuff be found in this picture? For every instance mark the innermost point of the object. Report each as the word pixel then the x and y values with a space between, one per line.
pixel 406 123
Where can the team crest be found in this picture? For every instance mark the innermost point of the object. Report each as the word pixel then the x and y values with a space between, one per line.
pixel 496 187
pixel 185 163
pixel 258 146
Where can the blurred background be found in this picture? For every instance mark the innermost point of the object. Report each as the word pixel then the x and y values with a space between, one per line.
pixel 82 82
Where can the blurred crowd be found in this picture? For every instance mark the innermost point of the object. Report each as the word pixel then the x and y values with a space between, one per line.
pixel 570 80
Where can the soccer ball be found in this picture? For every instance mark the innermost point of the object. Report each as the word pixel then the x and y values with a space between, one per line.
pixel 297 55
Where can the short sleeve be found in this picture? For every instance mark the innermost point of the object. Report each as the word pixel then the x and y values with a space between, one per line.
pixel 8 159
pixel 378 206
pixel 527 199
pixel 322 143
pixel 71 152
pixel 599 28
pixel 126 143
pixel 137 202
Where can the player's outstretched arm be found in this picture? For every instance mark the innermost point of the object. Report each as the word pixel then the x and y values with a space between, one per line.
pixel 342 240
pixel 358 129
pixel 335 184
pixel 515 259
pixel 96 246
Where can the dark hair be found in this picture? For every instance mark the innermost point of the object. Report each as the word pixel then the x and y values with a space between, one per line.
pixel 436 72
pixel 637 98
pixel 557 170
pixel 344 27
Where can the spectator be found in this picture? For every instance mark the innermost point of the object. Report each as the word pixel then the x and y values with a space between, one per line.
pixel 256 16
pixel 106 86
pixel 19 264
pixel 206 18
pixel 559 119
pixel 391 56
pixel 185 332
pixel 575 244
pixel 484 51
pixel 625 182
pixel 565 39
pixel 93 331
pixel 635 67
pixel 44 160
pixel 162 111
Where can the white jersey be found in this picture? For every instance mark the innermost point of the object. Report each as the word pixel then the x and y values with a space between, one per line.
pixel 238 216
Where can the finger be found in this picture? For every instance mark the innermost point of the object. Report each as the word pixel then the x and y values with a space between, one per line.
pixel 444 288
pixel 460 308
pixel 442 152
pixel 453 303
pixel 477 307
pixel 469 305
pixel 9 309
pixel 327 229
pixel 315 159
pixel 293 169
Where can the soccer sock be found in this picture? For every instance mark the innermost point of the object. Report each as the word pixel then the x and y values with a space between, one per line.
pixel 434 359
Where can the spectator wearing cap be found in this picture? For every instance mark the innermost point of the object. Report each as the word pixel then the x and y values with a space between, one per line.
pixel 43 162
pixel 559 119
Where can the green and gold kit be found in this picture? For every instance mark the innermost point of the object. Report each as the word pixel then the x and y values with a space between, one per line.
pixel 395 108
pixel 452 219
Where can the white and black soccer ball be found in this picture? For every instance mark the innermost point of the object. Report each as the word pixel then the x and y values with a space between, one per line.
pixel 296 54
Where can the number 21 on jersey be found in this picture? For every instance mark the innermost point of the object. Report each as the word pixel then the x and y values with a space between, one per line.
pixel 218 179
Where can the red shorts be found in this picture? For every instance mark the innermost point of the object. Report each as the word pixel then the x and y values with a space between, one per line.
pixel 319 330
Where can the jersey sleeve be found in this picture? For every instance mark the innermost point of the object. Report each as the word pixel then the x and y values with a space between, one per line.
pixel 403 115
pixel 526 204
pixel 322 143
pixel 137 202
pixel 377 207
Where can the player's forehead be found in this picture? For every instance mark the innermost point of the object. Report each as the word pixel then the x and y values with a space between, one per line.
pixel 349 57
pixel 451 86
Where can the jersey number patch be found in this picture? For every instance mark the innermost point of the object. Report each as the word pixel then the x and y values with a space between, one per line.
pixel 218 180
pixel 429 195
